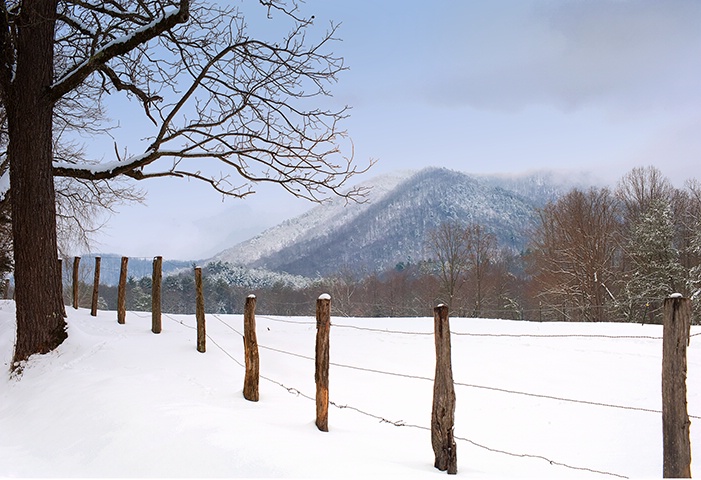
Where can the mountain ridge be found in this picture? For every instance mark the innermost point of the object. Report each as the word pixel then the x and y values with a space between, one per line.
pixel 393 225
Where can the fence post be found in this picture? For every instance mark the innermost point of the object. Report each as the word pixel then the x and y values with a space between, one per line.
pixel 199 312
pixel 321 373
pixel 122 292
pixel 95 288
pixel 156 295
pixel 443 413
pixel 63 303
pixel 250 346
pixel 76 268
pixel 675 417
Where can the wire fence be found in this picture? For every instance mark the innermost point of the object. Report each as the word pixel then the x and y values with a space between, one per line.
pixel 399 423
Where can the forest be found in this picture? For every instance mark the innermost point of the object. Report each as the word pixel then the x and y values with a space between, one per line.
pixel 594 255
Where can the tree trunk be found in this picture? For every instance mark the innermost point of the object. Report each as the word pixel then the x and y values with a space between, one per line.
pixel 40 323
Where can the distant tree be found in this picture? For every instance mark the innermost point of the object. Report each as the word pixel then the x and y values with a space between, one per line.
pixel 693 246
pixel 210 89
pixel 449 245
pixel 574 253
pixel 640 188
pixel 481 253
pixel 656 231
pixel 655 271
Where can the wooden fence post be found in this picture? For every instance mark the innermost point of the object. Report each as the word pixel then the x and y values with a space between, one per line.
pixel 675 418
pixel 443 413
pixel 63 303
pixel 122 292
pixel 95 288
pixel 250 347
pixel 76 271
pixel 321 373
pixel 199 312
pixel 156 295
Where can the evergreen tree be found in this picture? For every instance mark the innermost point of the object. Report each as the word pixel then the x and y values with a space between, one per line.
pixel 655 270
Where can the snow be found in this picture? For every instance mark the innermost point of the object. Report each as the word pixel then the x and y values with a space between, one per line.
pixel 116 400
pixel 4 183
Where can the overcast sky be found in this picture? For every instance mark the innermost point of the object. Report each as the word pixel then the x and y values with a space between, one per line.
pixel 488 86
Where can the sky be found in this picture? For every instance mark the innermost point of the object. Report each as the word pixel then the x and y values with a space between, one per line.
pixel 596 86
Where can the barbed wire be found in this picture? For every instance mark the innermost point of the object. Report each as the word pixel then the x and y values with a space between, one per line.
pixel 423 378
pixel 463 384
pixel 401 423
pixel 396 423
pixel 472 334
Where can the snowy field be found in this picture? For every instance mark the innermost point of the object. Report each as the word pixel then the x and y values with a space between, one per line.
pixel 546 400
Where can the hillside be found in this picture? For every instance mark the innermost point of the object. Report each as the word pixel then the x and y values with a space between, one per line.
pixel 393 225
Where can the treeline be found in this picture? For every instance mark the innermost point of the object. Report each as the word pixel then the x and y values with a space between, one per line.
pixel 616 254
pixel 407 290
pixel 596 255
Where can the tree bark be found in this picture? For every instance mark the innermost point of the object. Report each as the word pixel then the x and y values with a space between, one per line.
pixel 38 296
pixel 443 413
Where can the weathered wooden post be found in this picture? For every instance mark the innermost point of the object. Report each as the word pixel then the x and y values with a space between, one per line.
pixel 199 312
pixel 76 271
pixel 63 304
pixel 95 288
pixel 675 418
pixel 122 292
pixel 250 347
pixel 6 288
pixel 156 295
pixel 443 413
pixel 321 373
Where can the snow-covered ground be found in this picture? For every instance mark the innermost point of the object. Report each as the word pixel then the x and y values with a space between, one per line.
pixel 116 400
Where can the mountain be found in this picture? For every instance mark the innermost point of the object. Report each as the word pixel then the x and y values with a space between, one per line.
pixel 393 224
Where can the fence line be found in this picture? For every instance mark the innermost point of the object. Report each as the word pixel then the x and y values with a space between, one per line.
pixel 397 423
pixel 321 419
pixel 462 384
pixel 471 334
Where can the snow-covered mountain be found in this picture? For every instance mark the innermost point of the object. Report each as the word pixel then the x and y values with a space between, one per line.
pixel 392 226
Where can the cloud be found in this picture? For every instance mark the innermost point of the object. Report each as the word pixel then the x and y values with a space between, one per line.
pixel 629 54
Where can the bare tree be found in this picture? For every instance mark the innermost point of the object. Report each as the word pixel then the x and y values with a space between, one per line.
pixel 574 252
pixel 640 188
pixel 211 91
pixel 480 256
pixel 449 244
